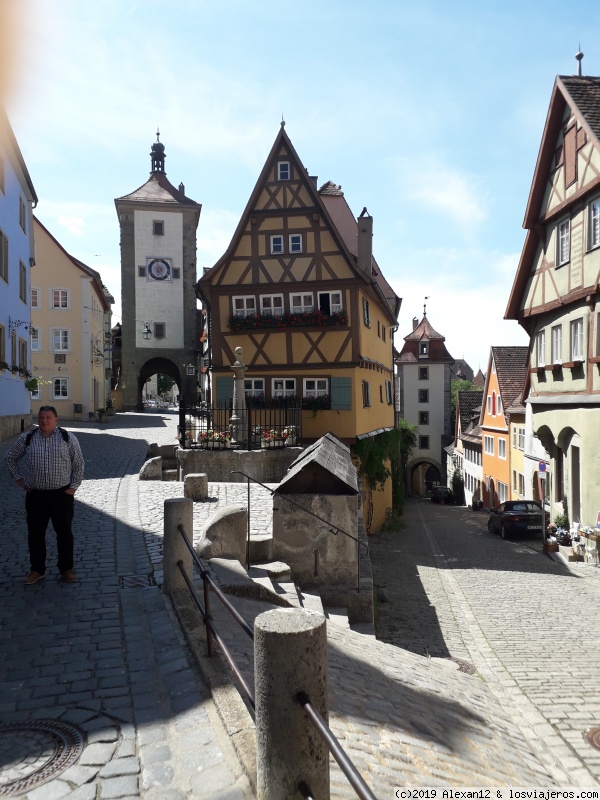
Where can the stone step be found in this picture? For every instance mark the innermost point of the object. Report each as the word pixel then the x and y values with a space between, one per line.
pixel 261 547
pixel 337 617
pixel 169 474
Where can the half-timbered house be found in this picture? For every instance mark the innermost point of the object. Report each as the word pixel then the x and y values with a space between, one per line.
pixel 556 296
pixel 299 290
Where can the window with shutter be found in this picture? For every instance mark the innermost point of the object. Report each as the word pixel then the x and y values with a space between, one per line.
pixel 341 394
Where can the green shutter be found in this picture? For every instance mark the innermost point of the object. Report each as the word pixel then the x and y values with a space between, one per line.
pixel 341 394
pixel 224 389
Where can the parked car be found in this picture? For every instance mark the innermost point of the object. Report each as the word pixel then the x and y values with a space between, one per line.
pixel 516 517
pixel 441 494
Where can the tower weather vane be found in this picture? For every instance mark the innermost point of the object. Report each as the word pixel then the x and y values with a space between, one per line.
pixel 425 306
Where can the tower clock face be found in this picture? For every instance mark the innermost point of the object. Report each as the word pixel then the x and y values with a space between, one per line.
pixel 159 269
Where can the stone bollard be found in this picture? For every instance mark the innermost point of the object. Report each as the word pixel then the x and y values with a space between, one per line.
pixel 195 485
pixel 178 511
pixel 290 656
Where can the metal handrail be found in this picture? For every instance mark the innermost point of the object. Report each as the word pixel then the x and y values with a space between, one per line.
pixel 212 631
pixel 333 528
pixel 346 765
pixel 354 777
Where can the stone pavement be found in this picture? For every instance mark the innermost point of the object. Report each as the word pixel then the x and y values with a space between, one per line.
pixel 99 696
pixel 102 670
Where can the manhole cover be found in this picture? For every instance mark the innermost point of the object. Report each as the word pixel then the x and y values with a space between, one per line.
pixel 32 753
pixel 136 581
pixel 464 666
pixel 592 737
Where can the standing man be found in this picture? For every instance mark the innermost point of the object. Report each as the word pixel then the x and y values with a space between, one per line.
pixel 52 473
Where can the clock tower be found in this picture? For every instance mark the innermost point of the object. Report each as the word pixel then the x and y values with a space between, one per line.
pixel 158 274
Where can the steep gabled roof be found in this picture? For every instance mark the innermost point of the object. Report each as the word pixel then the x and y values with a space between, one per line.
pixel 101 289
pixel 157 189
pixel 424 331
pixel 467 403
pixel 582 95
pixel 331 203
pixel 512 364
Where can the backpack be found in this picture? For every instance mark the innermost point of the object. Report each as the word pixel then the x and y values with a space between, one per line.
pixel 63 432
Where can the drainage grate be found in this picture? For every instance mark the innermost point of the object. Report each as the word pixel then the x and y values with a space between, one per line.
pixel 464 666
pixel 33 753
pixel 592 737
pixel 136 581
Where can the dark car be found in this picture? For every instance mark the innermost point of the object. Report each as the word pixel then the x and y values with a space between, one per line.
pixel 516 517
pixel 441 494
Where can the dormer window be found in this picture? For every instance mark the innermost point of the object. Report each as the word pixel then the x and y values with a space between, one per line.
pixel 283 171
pixel 423 349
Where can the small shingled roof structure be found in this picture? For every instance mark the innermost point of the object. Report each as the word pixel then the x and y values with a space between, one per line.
pixel 323 468
pixel 424 332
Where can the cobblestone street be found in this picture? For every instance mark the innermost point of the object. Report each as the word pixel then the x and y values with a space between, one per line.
pixel 447 587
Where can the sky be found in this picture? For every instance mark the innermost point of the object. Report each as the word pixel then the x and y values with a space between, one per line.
pixel 428 113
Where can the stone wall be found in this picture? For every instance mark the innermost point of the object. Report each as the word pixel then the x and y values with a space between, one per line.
pixel 266 466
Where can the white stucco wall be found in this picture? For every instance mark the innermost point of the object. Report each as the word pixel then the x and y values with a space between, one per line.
pixel 159 301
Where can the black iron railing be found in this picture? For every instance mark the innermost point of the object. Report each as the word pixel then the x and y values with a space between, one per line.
pixel 261 423
pixel 355 779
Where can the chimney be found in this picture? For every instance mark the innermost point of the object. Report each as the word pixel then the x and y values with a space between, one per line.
pixel 365 242
pixel 182 188
pixel 315 180
pixel 415 323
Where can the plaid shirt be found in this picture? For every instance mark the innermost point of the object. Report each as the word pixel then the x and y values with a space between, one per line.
pixel 49 463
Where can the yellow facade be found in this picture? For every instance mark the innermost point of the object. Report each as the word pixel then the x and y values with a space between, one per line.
pixel 299 291
pixel 70 314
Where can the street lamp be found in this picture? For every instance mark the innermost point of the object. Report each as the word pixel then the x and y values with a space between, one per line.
pixel 146 333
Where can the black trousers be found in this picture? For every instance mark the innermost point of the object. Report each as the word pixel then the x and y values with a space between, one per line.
pixel 43 506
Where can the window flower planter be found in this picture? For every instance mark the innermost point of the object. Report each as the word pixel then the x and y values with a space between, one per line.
pixel 307 318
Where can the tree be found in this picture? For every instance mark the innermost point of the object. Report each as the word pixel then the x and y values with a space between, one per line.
pixel 164 384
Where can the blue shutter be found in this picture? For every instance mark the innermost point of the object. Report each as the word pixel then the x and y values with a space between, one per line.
pixel 341 394
pixel 224 388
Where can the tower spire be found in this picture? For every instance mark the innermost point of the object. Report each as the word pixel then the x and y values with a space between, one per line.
pixel 157 155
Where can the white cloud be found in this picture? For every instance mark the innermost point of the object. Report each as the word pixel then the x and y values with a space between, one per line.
pixel 75 225
pixel 470 315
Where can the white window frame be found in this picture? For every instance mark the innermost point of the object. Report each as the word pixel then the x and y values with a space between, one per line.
pixel 594 224
pixel 284 171
pixel 563 242
pixel 295 243
pixel 276 244
pixel 389 396
pixel 502 492
pixel 269 306
pixel 521 435
pixel 36 340
pixel 366 312
pixel 307 303
pixel 577 339
pixel 502 448
pixel 489 404
pixel 248 308
pixel 423 349
pixel 36 394
pixel 334 307
pixel 62 381
pixel 63 336
pixel 34 297
pixel 255 387
pixel 488 445
pixel 315 387
pixel 56 299
pixel 556 344
pixel 540 348
pixel 499 404
pixel 283 387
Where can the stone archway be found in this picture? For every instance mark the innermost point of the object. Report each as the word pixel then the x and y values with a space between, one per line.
pixel 150 368
pixel 423 474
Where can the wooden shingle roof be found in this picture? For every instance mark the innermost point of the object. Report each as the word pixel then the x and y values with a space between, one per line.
pixel 512 365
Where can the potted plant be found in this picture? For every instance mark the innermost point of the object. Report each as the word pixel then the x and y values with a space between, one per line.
pixel 272 438
pixel 289 435
pixel 214 440
pixel 101 414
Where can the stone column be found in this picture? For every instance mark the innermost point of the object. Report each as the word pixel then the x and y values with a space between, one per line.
pixel 238 422
pixel 178 511
pixel 290 648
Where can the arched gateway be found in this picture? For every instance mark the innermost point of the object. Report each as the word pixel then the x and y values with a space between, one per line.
pixel 158 275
